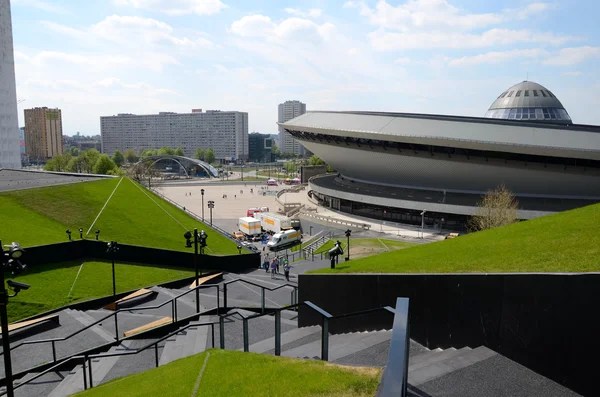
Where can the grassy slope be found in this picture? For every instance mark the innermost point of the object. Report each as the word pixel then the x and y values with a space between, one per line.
pixel 231 374
pixel 51 284
pixel 41 216
pixel 564 242
pixel 366 242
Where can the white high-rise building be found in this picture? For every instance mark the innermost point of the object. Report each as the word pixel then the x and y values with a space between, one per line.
pixel 226 132
pixel 10 156
pixel 287 111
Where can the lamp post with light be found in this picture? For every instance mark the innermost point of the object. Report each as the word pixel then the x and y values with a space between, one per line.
pixel 348 233
pixel 9 260
pixel 202 194
pixel 422 222
pixel 113 247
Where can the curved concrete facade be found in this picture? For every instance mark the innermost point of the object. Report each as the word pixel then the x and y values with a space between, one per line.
pixel 10 156
pixel 458 174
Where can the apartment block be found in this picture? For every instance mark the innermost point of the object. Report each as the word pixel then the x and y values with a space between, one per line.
pixel 43 133
pixel 287 111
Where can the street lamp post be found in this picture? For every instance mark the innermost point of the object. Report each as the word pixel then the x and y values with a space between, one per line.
pixel 69 233
pixel 113 247
pixel 196 269
pixel 348 233
pixel 80 233
pixel 211 205
pixel 97 234
pixel 8 260
pixel 422 222
pixel 202 194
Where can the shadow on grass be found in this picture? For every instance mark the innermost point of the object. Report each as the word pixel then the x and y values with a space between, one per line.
pixel 342 267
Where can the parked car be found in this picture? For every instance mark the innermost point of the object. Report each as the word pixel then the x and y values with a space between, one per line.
pixel 238 235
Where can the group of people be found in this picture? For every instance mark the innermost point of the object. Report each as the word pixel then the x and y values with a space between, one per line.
pixel 273 267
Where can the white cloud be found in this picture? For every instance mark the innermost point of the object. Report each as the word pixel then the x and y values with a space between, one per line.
pixel 42 5
pixel 176 7
pixel 290 28
pixel 572 74
pixel 498 57
pixel 387 41
pixel 402 61
pixel 573 56
pixel 312 13
pixel 532 9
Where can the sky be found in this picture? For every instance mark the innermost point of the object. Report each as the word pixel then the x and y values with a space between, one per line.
pixel 103 57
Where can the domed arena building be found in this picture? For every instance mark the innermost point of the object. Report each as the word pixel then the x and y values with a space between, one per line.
pixel 392 166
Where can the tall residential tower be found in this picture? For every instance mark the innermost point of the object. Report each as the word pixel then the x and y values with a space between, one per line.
pixel 287 111
pixel 9 125
pixel 43 133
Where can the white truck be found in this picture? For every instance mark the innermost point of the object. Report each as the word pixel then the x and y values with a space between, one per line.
pixel 274 223
pixel 250 226
pixel 284 239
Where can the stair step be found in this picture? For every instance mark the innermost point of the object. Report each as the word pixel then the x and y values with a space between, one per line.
pixel 436 357
pixel 168 351
pixel 86 320
pixel 201 335
pixel 286 337
pixel 438 369
pixel 340 345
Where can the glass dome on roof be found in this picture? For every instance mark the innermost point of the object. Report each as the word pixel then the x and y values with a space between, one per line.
pixel 529 101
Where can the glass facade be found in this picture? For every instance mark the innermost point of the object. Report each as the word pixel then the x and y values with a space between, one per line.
pixel 529 114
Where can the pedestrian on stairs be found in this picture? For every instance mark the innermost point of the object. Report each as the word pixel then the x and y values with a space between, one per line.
pixel 273 265
pixel 277 264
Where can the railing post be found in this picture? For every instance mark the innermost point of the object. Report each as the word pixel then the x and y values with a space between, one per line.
pixel 84 374
pixel 218 300
pixel 90 369
pixel 225 296
pixel 278 333
pixel 212 326
pixel 53 352
pixel 175 305
pixel 156 353
pixel 262 304
pixel 222 332
pixel 325 340
pixel 116 326
pixel 173 311
pixel 245 328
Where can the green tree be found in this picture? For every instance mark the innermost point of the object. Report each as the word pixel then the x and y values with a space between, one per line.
pixel 200 154
pixel 118 158
pixel 290 167
pixel 330 168
pixel 103 165
pixel 497 208
pixel 58 163
pixel 314 160
pixel 74 151
pixel 90 157
pixel 76 164
pixel 275 149
pixel 130 156
pixel 179 152
pixel 209 156
pixel 163 151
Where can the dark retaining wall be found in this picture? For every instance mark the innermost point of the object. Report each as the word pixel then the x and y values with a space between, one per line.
pixel 546 322
pixel 81 249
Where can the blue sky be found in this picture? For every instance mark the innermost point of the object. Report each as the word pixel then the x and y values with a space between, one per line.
pixel 97 58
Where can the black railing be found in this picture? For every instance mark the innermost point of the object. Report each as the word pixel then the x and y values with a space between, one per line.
pixel 395 377
pixel 172 301
pixel 86 359
pixel 263 289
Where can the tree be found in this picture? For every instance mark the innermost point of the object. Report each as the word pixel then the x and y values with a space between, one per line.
pixel 118 158
pixel 147 153
pixel 90 157
pixel 209 156
pixel 103 165
pixel 58 163
pixel 200 153
pixel 74 151
pixel 330 168
pixel 179 152
pixel 290 167
pixel 498 208
pixel 76 164
pixel 314 160
pixel 163 151
pixel 130 156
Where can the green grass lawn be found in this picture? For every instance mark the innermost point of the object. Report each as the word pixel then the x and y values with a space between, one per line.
pixel 238 374
pixel 563 242
pixel 375 243
pixel 132 216
pixel 53 285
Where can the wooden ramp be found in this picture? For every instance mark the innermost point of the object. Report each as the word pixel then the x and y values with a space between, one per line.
pixel 35 321
pixel 203 280
pixel 134 295
pixel 146 327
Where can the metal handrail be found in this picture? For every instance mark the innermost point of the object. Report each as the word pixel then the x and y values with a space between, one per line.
pixel 172 301
pixel 394 381
pixel 89 357
pixel 262 291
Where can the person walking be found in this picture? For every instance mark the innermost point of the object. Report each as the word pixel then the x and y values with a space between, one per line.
pixel 286 269
pixel 277 264
pixel 273 265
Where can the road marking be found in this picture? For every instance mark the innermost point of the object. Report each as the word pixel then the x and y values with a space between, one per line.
pixel 166 212
pixel 200 376
pixel 109 197
pixel 76 277
pixel 382 243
